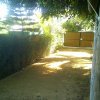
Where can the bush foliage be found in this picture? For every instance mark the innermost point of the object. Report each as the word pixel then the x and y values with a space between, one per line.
pixel 18 51
pixel 78 24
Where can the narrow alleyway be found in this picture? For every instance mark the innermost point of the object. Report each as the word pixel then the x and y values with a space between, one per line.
pixel 64 75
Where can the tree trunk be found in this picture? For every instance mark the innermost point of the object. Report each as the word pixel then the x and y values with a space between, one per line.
pixel 95 73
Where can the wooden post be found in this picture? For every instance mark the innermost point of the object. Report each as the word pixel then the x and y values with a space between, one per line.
pixel 95 73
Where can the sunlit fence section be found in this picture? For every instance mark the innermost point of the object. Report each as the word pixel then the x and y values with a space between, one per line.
pixel 18 51
pixel 79 39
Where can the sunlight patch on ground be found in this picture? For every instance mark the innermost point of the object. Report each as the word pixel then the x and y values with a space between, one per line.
pixel 57 60
pixel 87 73
pixel 51 67
pixel 56 65
pixel 83 66
pixel 55 56
pixel 84 61
pixel 39 63
pixel 75 54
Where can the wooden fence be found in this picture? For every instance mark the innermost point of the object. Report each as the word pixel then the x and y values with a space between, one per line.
pixel 79 39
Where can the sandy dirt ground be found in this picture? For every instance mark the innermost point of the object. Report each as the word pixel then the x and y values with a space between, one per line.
pixel 64 75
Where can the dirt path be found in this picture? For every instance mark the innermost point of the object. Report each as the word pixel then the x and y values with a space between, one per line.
pixel 64 75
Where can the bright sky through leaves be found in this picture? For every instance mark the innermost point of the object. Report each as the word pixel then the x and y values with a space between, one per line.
pixel 3 11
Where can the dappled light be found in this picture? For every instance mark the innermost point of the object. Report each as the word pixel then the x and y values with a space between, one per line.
pixel 74 54
pixel 56 65
pixel 87 73
pixel 55 76
pixel 52 66
pixel 56 55
pixel 62 60
pixel 83 66
pixel 39 63
pixel 32 29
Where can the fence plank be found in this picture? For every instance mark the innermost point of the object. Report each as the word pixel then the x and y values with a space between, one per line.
pixel 73 43
pixel 72 35
pixel 87 36
pixel 84 43
pixel 78 39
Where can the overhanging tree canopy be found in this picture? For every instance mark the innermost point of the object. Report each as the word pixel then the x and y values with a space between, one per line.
pixel 54 7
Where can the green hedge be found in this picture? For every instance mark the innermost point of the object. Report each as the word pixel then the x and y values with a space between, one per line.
pixel 18 51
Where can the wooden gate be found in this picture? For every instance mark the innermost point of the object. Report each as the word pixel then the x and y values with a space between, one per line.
pixel 78 39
